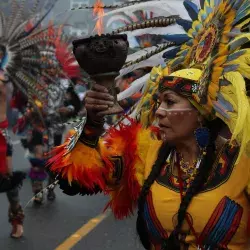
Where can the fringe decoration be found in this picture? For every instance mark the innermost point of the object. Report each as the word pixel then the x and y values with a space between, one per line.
pixel 83 165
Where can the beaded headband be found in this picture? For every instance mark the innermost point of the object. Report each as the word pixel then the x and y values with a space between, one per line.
pixel 181 86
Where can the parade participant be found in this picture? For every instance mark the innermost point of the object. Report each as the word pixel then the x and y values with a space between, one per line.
pixel 36 144
pixel 191 185
pixel 26 49
pixel 63 104
pixel 10 181
pixel 71 106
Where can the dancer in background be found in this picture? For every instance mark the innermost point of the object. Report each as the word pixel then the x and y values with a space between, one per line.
pixel 10 181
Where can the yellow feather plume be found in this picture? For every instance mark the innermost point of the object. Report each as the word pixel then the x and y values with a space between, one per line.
pixel 239 122
pixel 146 106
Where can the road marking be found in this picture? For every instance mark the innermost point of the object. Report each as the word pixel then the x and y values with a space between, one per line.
pixel 82 232
pixel 16 142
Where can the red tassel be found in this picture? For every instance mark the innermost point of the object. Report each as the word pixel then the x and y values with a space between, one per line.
pixel 66 59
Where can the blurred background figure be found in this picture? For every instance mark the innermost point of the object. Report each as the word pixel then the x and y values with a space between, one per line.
pixel 8 177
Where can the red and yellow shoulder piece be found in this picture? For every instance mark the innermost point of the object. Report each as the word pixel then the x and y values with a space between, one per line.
pixel 116 165
pixel 134 142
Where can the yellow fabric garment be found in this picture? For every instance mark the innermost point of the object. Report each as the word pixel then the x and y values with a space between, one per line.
pixel 136 151
pixel 166 201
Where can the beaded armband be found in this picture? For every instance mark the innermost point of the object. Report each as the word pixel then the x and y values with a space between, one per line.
pixel 91 133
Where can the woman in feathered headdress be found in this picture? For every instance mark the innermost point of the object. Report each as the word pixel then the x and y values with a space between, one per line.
pixel 10 180
pixel 190 184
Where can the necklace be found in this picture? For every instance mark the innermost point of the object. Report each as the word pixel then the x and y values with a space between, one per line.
pixel 186 167
pixel 190 171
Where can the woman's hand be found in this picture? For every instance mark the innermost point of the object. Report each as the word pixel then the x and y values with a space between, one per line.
pixel 98 100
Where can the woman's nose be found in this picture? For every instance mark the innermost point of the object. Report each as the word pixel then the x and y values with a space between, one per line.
pixel 160 112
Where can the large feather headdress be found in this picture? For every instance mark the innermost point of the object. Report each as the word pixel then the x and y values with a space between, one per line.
pixel 26 48
pixel 217 55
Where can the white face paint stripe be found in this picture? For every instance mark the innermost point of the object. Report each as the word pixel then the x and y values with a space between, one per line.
pixel 175 110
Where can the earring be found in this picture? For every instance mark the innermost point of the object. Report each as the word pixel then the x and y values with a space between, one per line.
pixel 202 136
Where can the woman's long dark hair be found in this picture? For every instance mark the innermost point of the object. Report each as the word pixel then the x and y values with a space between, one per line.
pixel 172 243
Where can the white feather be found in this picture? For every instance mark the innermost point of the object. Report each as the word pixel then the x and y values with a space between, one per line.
pixel 134 87
pixel 160 7
pixel 117 18
pixel 172 29
pixel 138 54
pixel 150 62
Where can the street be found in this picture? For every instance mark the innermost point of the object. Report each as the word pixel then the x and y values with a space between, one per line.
pixel 67 223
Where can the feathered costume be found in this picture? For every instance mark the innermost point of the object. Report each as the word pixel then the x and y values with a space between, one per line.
pixel 211 68
pixel 30 52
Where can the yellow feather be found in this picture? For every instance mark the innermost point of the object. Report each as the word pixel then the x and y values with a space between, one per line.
pixel 195 23
pixel 143 110
pixel 206 4
pixel 190 32
pixel 211 4
pixel 239 122
pixel 216 74
pixel 245 35
pixel 201 13
pixel 220 60
pixel 243 23
pixel 243 66
pixel 213 90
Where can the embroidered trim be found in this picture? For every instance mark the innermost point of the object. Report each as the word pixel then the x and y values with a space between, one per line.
pixel 221 171
pixel 153 224
pixel 222 225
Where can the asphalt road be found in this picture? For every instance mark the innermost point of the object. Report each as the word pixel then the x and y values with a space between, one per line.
pixel 49 225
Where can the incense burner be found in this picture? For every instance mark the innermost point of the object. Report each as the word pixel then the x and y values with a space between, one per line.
pixel 102 57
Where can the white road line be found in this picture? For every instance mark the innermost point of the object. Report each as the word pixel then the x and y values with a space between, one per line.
pixel 16 142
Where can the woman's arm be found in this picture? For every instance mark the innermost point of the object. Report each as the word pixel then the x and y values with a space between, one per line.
pixel 114 164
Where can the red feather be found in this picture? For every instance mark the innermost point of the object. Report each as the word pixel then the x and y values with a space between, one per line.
pixel 124 199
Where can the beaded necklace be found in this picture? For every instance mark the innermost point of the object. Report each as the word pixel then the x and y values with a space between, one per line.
pixel 190 170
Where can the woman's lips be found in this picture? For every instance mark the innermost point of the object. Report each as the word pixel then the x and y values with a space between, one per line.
pixel 161 126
